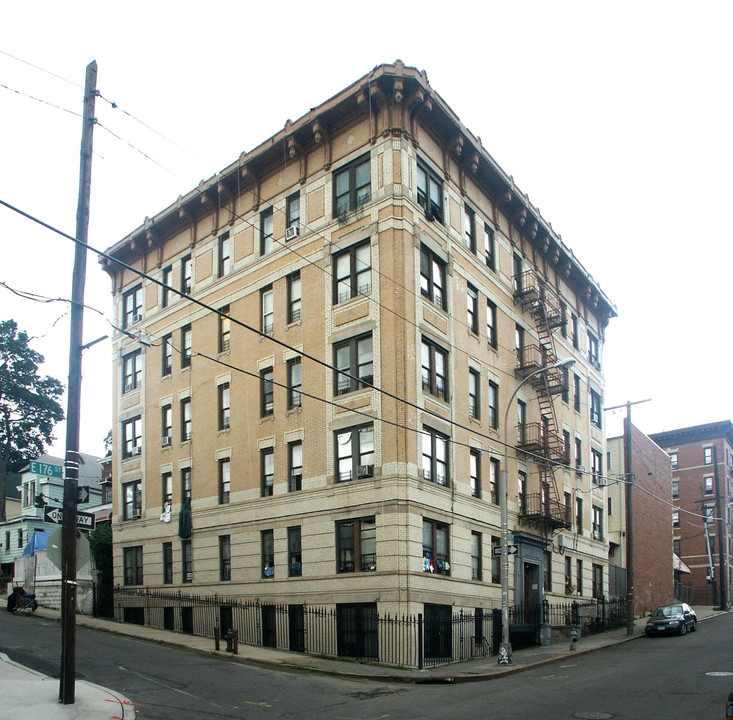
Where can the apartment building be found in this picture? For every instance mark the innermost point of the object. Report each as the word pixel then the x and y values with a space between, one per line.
pixel 702 493
pixel 312 375
pixel 651 522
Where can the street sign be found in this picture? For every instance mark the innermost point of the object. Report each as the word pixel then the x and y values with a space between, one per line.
pixel 83 497
pixel 53 549
pixel 41 468
pixel 55 515
pixel 510 550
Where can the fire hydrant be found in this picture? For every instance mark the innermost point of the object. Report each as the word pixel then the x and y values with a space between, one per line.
pixel 231 637
pixel 573 639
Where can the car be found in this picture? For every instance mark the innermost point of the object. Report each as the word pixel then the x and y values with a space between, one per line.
pixel 729 705
pixel 666 619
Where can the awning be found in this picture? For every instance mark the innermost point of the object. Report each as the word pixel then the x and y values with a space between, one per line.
pixel 677 564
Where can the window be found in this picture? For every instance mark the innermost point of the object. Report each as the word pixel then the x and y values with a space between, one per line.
pixel 596 459
pixel 132 306
pixel 673 456
pixel 266 231
pixel 547 575
pixel 355 453
pixel 709 485
pixel 294 297
pixel 225 558
pixel 707 455
pixel 495 559
pixel 225 480
pixel 187 561
pixel 267 312
pixel 166 481
pixel 132 437
pixel 476 569
pixel 519 344
pixel 132 371
pixel 355 357
pixel 186 274
pixel 167 355
pixel 609 511
pixel 267 472
pixel 295 466
pixel 579 575
pixel 522 492
pixel 224 406
pixel 494 470
pixel 595 408
pixel 292 214
pixel 597 523
pixel 574 330
pixel 576 392
pixel 675 518
pixel 352 186
pixel 186 345
pixel 295 399
pixel 579 515
pixel 435 456
pixel 474 394
pixel 568 576
pixel 597 581
pixel 429 193
pixel 435 547
pixel 521 420
pixel 493 405
pixel 225 254
pixel 167 280
pixel 472 308
pixel 432 278
pixel 225 329
pixel 518 276
pixel 578 453
pixel 185 484
pixel 352 272
pixel 295 555
pixel 267 402
pixel 469 229
pixel 132 561
pixel 489 251
pixel 20 538
pixel 564 319
pixel 594 356
pixel 565 385
pixel 167 563
pixel 434 369
pixel 677 546
pixel 491 324
pixel 132 494
pixel 566 447
pixel 356 545
pixel 474 460
pixel 166 413
pixel 186 422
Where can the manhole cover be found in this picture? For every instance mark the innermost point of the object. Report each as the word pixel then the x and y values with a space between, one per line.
pixel 593 715
pixel 719 674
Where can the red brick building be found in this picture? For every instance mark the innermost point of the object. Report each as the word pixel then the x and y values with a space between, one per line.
pixel 702 491
pixel 652 519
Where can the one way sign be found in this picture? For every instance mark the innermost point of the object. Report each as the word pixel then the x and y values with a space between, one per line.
pixel 55 515
pixel 510 550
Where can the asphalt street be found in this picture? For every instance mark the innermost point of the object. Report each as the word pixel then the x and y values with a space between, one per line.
pixel 666 678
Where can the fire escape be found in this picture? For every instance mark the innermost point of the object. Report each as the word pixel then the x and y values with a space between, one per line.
pixel 542 439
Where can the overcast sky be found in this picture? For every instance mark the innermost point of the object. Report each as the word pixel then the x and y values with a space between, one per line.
pixel 615 119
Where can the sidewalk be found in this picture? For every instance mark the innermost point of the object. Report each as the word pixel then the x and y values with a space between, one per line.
pixel 26 692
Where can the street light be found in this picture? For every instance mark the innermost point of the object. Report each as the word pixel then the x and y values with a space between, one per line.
pixel 505 649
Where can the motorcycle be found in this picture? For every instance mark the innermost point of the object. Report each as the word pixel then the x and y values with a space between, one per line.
pixel 21 600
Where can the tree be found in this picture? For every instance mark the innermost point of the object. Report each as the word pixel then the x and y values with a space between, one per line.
pixel 29 407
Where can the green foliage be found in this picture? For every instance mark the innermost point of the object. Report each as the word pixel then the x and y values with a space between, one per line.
pixel 100 542
pixel 29 407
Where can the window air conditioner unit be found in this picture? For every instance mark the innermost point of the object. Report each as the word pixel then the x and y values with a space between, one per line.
pixel 597 535
pixel 560 542
pixel 129 387
pixel 136 450
pixel 165 441
pixel 292 232
pixel 136 515
pixel 364 471
pixel 137 318
pixel 189 576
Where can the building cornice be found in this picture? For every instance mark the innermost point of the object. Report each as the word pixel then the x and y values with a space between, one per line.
pixel 695 433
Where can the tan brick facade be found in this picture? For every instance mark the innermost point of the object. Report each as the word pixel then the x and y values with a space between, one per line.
pixel 374 261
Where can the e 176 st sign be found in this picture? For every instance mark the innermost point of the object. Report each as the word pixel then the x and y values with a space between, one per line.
pixel 84 521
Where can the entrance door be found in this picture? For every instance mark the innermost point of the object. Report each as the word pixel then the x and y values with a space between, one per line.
pixel 297 628
pixel 531 592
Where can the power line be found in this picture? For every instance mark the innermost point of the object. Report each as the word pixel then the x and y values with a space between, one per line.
pixel 38 67
pixel 40 100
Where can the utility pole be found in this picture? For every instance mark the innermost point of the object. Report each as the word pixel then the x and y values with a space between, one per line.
pixel 629 497
pixel 71 483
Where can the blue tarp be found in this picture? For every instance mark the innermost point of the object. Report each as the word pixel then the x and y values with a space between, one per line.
pixel 37 542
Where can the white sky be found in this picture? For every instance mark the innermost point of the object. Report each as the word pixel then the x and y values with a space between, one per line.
pixel 615 119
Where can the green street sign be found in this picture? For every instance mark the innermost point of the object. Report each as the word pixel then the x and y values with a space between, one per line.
pixel 41 468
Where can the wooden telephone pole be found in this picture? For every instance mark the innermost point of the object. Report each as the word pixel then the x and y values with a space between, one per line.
pixel 71 483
